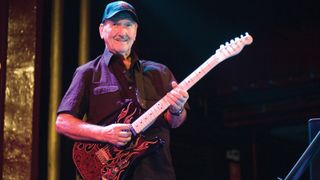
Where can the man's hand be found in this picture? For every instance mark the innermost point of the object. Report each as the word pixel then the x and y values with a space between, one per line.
pixel 177 98
pixel 117 134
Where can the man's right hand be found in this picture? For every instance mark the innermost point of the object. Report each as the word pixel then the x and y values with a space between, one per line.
pixel 117 134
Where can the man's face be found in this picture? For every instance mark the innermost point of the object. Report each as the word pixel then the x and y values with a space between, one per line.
pixel 119 34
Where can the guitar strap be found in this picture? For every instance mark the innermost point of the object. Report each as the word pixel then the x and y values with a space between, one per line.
pixel 140 91
pixel 145 99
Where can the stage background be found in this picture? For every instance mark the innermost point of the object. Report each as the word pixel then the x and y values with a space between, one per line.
pixel 249 115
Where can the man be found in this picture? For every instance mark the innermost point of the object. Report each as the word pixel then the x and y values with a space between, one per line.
pixel 103 88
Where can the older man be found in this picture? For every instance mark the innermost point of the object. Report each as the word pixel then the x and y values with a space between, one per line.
pixel 112 91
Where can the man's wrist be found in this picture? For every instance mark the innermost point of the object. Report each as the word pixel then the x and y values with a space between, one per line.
pixel 176 113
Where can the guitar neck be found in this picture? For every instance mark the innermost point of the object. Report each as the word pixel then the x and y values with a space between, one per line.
pixel 144 121
pixel 200 72
pixel 148 118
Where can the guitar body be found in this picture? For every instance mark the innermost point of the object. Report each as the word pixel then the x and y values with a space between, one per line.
pixel 106 161
pixel 96 161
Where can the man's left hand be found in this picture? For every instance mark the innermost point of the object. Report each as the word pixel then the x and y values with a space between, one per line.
pixel 177 98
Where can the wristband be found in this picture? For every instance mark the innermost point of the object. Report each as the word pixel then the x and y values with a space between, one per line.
pixel 178 113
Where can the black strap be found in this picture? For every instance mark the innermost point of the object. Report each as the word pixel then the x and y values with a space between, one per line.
pixel 140 90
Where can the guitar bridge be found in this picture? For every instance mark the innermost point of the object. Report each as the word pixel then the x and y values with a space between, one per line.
pixel 103 156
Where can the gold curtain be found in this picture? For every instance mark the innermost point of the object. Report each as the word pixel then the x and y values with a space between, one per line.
pixel 56 71
pixel 19 91
pixel 55 89
pixel 20 79
pixel 84 34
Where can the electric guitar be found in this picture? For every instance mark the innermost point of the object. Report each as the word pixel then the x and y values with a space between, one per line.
pixel 96 161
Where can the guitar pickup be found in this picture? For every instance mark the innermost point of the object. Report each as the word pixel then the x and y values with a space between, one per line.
pixel 102 155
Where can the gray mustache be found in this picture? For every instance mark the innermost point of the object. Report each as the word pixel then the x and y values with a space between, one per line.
pixel 122 38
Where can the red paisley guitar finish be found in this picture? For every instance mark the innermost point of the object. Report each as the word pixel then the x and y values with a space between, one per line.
pixel 106 161
pixel 96 161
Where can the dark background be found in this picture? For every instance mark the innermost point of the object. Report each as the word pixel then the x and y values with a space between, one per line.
pixel 256 104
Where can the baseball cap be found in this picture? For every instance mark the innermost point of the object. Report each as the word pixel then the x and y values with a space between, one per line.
pixel 116 7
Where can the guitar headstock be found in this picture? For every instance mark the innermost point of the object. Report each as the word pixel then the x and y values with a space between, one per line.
pixel 233 47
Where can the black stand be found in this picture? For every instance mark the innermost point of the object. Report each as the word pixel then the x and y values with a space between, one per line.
pixel 305 159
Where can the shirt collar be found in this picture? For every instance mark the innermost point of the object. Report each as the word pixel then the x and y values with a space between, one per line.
pixel 107 57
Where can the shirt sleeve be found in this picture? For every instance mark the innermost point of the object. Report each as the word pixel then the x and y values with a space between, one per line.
pixel 75 100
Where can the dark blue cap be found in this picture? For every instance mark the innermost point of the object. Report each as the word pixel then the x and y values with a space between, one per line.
pixel 116 7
